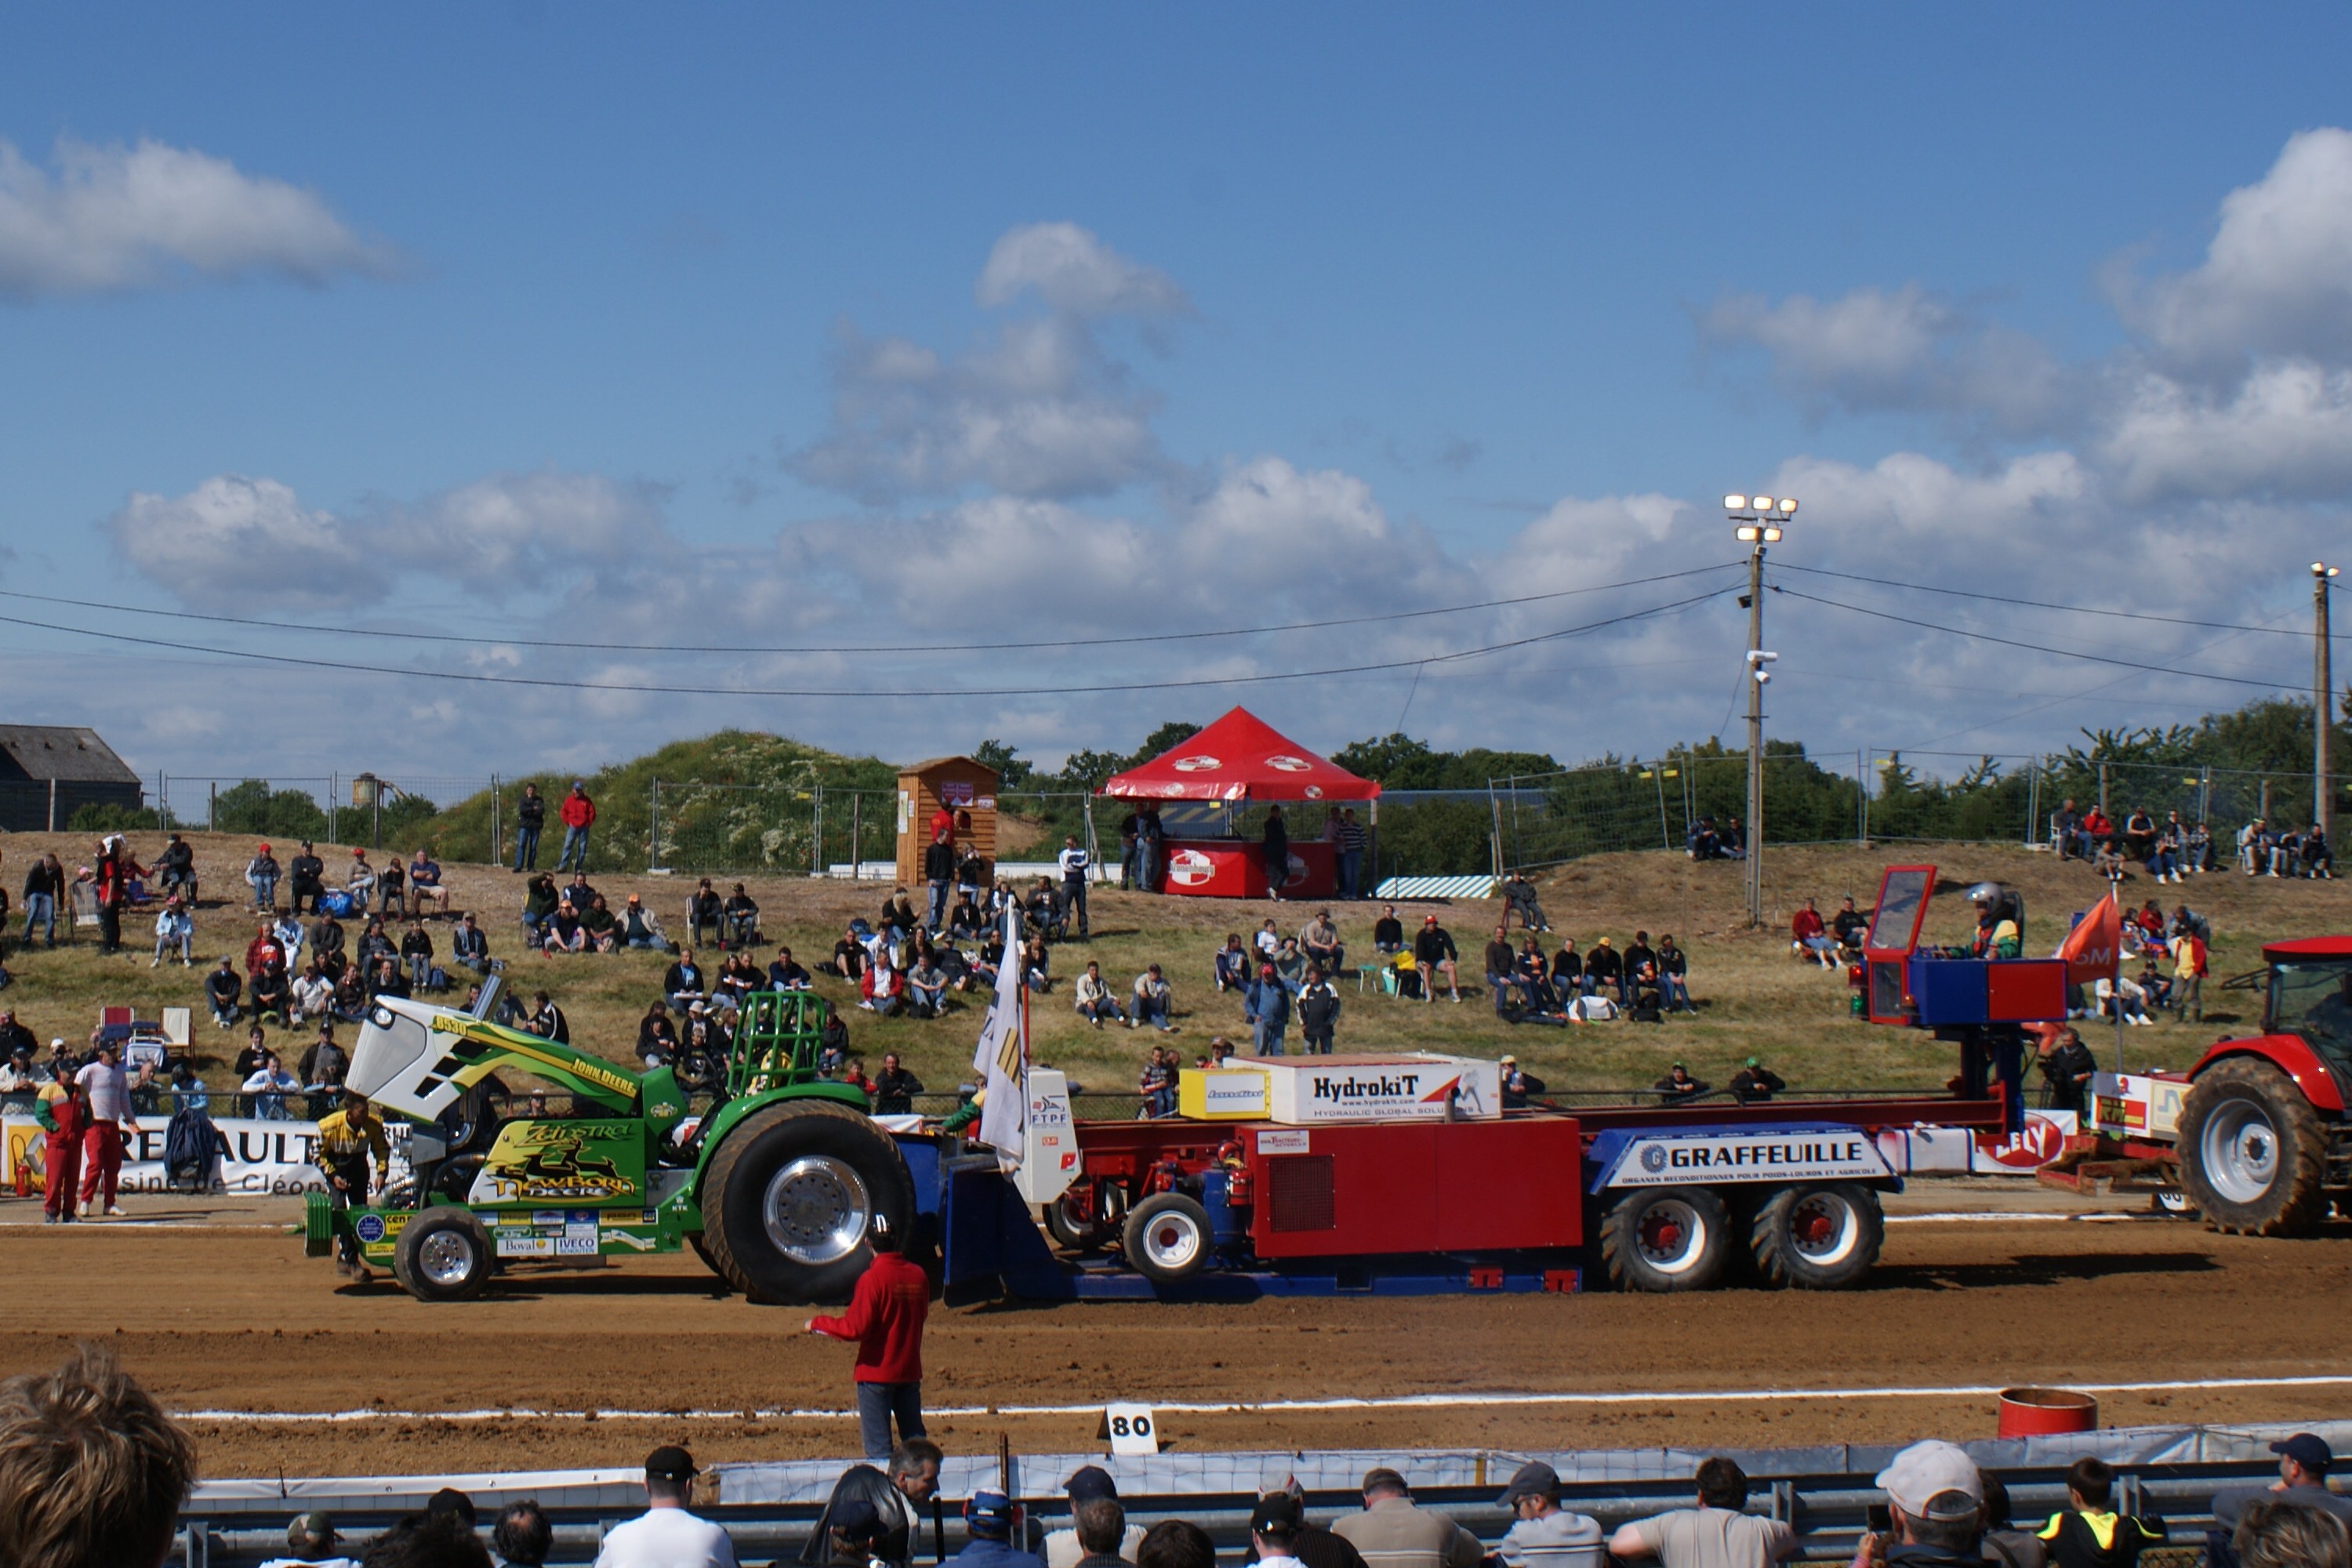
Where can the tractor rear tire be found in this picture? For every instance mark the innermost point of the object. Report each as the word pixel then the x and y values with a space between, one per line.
pixel 1817 1236
pixel 2253 1151
pixel 443 1254
pixel 1167 1239
pixel 1665 1239
pixel 789 1196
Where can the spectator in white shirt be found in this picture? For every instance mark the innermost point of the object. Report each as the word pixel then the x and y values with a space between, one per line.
pixel 666 1535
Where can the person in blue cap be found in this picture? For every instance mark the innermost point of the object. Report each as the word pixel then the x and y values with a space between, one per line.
pixel 2304 1461
pixel 987 1520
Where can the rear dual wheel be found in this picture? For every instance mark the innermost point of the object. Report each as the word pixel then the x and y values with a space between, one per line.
pixel 1816 1238
pixel 1819 1236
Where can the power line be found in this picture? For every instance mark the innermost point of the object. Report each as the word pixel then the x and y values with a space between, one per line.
pixel 646 686
pixel 2140 666
pixel 602 646
pixel 2037 604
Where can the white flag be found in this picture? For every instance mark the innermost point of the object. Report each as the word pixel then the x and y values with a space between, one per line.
pixel 1003 1055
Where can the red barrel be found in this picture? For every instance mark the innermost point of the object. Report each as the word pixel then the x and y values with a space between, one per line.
pixel 2031 1412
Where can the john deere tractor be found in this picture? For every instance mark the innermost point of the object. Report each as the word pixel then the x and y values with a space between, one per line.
pixel 775 1184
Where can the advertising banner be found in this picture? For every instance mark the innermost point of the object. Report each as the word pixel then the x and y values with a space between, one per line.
pixel 260 1157
pixel 1304 1090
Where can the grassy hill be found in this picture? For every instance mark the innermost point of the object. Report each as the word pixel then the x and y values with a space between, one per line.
pixel 735 798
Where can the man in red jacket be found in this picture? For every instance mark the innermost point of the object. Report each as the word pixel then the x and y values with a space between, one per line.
pixel 886 1318
pixel 578 814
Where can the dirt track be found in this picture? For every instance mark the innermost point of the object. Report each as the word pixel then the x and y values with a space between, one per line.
pixel 216 1319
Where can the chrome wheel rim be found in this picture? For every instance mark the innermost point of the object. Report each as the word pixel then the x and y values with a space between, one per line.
pixel 2240 1151
pixel 446 1258
pixel 1672 1236
pixel 816 1209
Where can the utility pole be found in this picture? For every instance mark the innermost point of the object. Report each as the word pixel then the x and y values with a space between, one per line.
pixel 2323 704
pixel 1756 522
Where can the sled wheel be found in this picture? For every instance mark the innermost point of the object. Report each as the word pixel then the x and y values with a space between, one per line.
pixel 1816 1238
pixel 2253 1151
pixel 1074 1222
pixel 444 1255
pixel 789 1196
pixel 1665 1239
pixel 1167 1239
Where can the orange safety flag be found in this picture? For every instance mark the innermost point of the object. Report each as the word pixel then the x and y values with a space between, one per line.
pixel 2093 948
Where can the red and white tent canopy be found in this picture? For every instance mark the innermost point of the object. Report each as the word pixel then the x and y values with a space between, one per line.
pixel 1239 757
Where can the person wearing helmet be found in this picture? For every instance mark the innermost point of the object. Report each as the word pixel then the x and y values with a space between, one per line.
pixel 2000 922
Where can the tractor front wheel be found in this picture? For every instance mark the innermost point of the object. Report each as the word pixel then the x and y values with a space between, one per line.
pixel 2252 1152
pixel 789 1196
pixel 443 1254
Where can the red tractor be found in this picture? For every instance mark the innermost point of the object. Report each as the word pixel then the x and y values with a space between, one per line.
pixel 2254 1137
pixel 2262 1137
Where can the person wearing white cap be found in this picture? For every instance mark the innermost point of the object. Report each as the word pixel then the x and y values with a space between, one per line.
pixel 1716 1533
pixel 1936 1501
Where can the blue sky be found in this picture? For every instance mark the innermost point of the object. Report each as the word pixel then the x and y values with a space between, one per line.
pixel 757 327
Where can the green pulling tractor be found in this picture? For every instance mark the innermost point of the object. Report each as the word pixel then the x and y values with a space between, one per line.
pixel 775 1184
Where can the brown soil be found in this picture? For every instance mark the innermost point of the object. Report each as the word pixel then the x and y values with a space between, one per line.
pixel 240 1321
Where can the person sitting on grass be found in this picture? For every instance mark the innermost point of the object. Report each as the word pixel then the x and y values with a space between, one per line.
pixel 884 989
pixel 224 993
pixel 1093 998
pixel 1320 939
pixel 657 1038
pixel 927 984
pixel 965 920
pixel 1230 966
pixel 1811 939
pixel 598 923
pixel 273 995
pixel 565 933
pixel 784 975
pixel 1152 1001
pixel 538 903
pixel 683 983
pixel 1037 964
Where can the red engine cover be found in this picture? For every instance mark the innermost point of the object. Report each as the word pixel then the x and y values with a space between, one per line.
pixel 1445 1186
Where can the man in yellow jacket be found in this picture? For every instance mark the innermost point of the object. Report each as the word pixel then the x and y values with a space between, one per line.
pixel 348 1139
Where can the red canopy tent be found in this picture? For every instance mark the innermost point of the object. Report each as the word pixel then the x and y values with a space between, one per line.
pixel 1242 758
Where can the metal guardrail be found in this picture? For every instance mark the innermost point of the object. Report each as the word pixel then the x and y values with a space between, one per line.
pixel 1829 1513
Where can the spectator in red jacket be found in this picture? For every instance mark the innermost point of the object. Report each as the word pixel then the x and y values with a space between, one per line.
pixel 886 1318
pixel 1810 937
pixel 578 813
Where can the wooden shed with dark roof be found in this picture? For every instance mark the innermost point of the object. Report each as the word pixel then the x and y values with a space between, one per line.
pixel 49 771
pixel 963 787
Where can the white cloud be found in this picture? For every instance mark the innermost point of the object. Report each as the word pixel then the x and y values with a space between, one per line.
pixel 1071 270
pixel 511 531
pixel 235 543
pixel 109 219
pixel 1039 412
pixel 2286 430
pixel 1874 351
pixel 2277 278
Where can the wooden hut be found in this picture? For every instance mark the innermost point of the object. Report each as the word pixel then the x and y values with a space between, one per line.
pixel 955 785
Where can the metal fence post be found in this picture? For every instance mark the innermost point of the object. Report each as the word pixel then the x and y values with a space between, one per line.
pixel 816 830
pixel 653 830
pixel 857 827
pixel 2205 794
pixel 2032 801
pixel 498 802
pixel 212 810
pixel 1861 805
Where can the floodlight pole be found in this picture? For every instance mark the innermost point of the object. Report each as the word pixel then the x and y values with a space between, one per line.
pixel 1755 863
pixel 1756 523
pixel 2323 705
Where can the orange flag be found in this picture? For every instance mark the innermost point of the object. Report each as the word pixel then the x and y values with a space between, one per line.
pixel 2093 948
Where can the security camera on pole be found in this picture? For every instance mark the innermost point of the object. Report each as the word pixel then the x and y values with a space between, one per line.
pixel 1757 519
